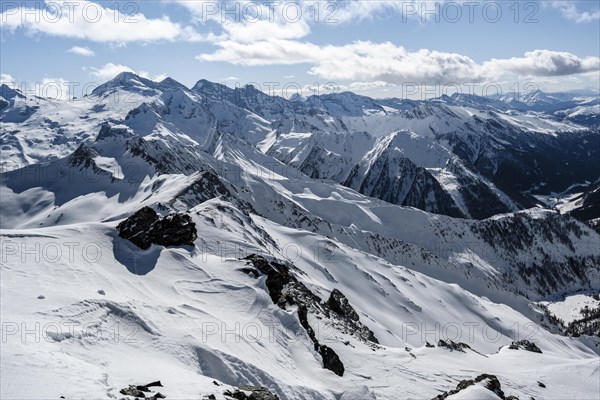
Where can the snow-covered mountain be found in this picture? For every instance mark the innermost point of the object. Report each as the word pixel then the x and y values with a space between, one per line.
pixel 306 272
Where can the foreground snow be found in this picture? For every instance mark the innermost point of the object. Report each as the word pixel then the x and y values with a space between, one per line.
pixel 187 317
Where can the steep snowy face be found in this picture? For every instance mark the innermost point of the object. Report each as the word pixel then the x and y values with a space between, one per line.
pixel 492 138
pixel 186 115
pixel 322 155
pixel 247 97
pixel 489 141
pixel 386 173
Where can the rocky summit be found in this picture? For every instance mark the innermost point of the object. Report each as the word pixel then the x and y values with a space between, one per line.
pixel 145 228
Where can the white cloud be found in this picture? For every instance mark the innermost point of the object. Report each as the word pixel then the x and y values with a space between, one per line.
pixel 357 61
pixel 248 32
pixel 110 70
pixel 544 63
pixel 272 52
pixel 249 21
pixel 570 11
pixel 155 78
pixel 363 86
pixel 6 79
pixel 81 51
pixel 385 62
pixel 246 21
pixel 54 88
pixel 89 20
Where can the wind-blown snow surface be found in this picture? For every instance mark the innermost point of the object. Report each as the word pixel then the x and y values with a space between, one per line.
pixel 86 313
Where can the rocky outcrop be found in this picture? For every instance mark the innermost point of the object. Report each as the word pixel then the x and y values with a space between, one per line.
pixel 255 393
pixel 205 187
pixel 145 228
pixel 525 345
pixel 349 321
pixel 338 303
pixel 285 290
pixel 142 391
pixel 452 346
pixel 490 382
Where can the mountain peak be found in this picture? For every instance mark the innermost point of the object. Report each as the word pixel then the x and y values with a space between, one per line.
pixel 297 97
pixel 210 89
pixel 169 82
pixel 126 75
pixel 10 92
pixel 126 80
pixel 111 131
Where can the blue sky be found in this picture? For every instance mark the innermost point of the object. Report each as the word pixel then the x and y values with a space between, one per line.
pixel 376 48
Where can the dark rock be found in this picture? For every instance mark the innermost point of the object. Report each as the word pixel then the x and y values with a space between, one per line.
pixel 427 344
pixel 525 345
pixel 331 361
pixel 451 345
pixel 256 393
pixel 540 384
pixel 144 388
pixel 132 390
pixel 250 271
pixel 491 383
pixel 338 303
pixel 340 309
pixel 141 390
pixel 236 395
pixel 207 186
pixel 174 230
pixel 211 397
pixel 83 157
pixel 285 289
pixel 145 228
pixel 216 383
pixel 137 227
pixel 259 393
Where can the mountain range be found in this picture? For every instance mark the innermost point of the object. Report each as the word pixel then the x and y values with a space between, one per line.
pixel 345 247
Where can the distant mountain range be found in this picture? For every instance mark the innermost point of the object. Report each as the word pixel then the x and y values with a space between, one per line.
pixel 462 155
